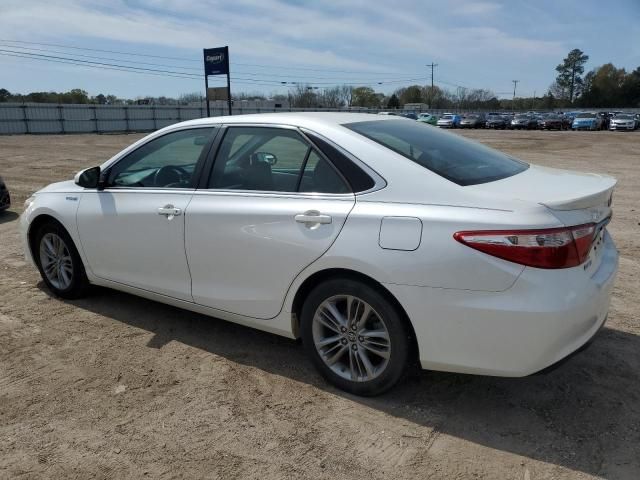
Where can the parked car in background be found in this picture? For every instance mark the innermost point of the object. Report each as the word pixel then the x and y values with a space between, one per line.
pixel 5 198
pixel 623 121
pixel 449 120
pixel 473 120
pixel 552 121
pixel 388 113
pixel 606 119
pixel 461 259
pixel 587 121
pixel 523 121
pixel 496 121
pixel 428 118
pixel 411 115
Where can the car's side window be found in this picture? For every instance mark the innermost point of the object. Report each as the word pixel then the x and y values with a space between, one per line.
pixel 274 160
pixel 320 177
pixel 168 161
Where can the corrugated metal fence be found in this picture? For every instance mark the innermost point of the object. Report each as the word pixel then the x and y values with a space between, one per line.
pixel 17 118
pixel 53 118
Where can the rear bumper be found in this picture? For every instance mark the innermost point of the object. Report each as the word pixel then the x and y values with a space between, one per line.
pixel 545 316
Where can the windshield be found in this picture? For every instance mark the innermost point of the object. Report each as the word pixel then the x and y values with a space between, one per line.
pixel 522 117
pixel 494 117
pixel 586 115
pixel 451 156
pixel 624 117
pixel 447 117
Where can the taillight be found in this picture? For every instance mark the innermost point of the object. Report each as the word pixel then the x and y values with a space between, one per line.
pixel 546 248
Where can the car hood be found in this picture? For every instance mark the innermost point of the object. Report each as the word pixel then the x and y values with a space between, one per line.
pixel 61 187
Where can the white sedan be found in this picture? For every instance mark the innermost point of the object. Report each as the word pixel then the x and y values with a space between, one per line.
pixel 378 241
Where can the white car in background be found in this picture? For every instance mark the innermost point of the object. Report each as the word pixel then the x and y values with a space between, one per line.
pixel 376 240
pixel 623 121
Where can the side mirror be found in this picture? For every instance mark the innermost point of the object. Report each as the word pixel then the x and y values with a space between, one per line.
pixel 88 178
pixel 264 157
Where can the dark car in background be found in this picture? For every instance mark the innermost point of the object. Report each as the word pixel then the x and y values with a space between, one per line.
pixel 496 121
pixel 473 120
pixel 606 119
pixel 552 121
pixel 411 115
pixel 523 121
pixel 5 198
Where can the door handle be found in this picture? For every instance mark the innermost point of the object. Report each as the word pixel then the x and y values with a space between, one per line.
pixel 313 217
pixel 169 211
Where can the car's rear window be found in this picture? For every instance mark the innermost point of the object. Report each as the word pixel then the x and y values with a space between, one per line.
pixel 449 155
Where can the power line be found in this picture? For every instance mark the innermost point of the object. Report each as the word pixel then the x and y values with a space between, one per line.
pixel 192 69
pixel 182 59
pixel 178 74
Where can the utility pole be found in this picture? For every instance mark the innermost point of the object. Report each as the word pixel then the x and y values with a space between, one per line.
pixel 515 84
pixel 432 66
pixel 533 105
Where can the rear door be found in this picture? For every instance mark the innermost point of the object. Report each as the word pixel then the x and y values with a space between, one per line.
pixel 272 205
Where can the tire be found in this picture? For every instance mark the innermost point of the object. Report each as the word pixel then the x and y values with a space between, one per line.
pixel 69 280
pixel 354 368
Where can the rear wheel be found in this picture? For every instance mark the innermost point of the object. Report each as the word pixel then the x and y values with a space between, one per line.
pixel 59 263
pixel 355 336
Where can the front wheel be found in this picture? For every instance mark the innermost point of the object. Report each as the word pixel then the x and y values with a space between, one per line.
pixel 59 263
pixel 355 336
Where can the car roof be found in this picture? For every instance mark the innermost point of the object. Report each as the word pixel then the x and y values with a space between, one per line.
pixel 301 119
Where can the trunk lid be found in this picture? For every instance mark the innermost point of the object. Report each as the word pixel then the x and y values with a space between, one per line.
pixel 574 198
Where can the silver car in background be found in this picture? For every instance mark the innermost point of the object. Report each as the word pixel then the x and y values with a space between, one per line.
pixel 623 121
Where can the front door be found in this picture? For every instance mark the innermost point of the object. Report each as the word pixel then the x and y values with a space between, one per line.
pixel 132 232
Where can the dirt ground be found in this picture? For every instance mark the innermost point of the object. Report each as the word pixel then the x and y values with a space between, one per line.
pixel 114 386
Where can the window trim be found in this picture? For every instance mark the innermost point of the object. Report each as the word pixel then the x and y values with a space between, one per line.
pixel 197 172
pixel 213 158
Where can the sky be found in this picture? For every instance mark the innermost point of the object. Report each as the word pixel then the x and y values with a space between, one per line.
pixel 384 44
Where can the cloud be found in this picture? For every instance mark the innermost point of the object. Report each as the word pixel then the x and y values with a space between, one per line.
pixel 476 8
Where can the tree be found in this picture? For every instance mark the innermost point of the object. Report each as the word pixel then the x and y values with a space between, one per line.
pixel 303 96
pixel 630 90
pixel 5 95
pixel 100 99
pixel 603 87
pixel 193 97
pixel 411 94
pixel 331 97
pixel 365 97
pixel 394 102
pixel 570 71
pixel 346 94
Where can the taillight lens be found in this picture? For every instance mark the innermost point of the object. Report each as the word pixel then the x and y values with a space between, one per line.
pixel 546 248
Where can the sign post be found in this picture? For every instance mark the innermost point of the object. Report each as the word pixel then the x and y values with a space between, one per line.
pixel 216 62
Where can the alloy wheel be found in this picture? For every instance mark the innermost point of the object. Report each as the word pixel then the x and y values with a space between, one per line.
pixel 351 338
pixel 56 261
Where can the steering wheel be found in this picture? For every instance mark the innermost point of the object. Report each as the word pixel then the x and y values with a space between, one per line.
pixel 169 174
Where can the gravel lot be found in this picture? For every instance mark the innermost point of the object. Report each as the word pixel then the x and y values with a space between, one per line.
pixel 114 386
